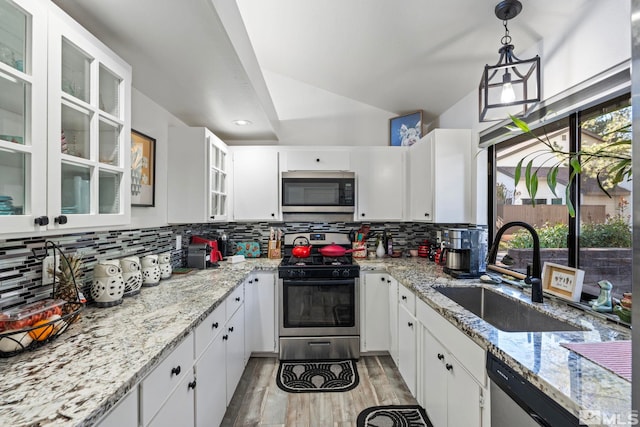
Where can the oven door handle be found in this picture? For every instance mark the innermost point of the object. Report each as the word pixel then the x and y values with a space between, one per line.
pixel 318 282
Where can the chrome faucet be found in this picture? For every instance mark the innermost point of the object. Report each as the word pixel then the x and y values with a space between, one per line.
pixel 534 274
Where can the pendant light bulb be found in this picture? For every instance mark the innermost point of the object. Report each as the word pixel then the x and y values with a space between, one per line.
pixel 508 94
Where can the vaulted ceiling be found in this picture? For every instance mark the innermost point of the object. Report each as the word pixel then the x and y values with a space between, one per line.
pixel 210 62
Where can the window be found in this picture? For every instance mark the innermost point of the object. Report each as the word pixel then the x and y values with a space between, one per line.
pixel 598 239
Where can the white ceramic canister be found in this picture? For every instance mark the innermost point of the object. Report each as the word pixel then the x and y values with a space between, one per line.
pixel 132 275
pixel 150 270
pixel 108 285
pixel 164 261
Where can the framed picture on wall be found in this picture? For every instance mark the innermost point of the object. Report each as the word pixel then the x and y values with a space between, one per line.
pixel 405 130
pixel 143 169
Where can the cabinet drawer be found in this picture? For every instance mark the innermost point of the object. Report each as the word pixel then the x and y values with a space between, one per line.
pixel 467 352
pixel 158 385
pixel 317 160
pixel 210 328
pixel 407 299
pixel 234 301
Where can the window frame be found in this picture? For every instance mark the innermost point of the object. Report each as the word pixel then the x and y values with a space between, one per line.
pixel 571 122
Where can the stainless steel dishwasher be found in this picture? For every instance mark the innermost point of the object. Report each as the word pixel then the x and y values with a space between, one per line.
pixel 517 402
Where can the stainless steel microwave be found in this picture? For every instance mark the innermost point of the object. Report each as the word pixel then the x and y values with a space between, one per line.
pixel 318 192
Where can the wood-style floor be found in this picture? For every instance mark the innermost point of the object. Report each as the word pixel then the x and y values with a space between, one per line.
pixel 258 401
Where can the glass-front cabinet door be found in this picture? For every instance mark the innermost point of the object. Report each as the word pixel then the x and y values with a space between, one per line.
pixel 23 115
pixel 89 129
pixel 217 179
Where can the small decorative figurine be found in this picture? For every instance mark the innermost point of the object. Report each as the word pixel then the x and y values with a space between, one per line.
pixel 164 261
pixel 108 286
pixel 603 303
pixel 132 275
pixel 150 270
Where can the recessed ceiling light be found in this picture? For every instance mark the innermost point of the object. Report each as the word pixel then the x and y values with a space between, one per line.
pixel 242 122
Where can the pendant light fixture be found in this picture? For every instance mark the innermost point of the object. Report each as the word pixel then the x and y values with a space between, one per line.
pixel 512 81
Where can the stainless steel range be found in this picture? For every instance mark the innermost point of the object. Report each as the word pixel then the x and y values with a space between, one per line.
pixel 319 303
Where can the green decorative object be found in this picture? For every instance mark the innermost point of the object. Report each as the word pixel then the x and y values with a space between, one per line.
pixel 603 303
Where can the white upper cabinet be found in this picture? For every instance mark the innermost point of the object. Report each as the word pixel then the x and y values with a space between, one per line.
pixel 64 123
pixel 316 159
pixel 256 183
pixel 380 175
pixel 89 128
pixel 440 178
pixel 197 177
pixel 23 114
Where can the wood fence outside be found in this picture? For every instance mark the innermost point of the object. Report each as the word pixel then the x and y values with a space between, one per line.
pixel 551 214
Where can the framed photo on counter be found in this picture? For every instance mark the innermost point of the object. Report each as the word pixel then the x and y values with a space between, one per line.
pixel 562 281
pixel 143 169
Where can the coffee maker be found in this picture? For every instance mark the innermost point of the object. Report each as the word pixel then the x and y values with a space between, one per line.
pixel 466 252
pixel 224 245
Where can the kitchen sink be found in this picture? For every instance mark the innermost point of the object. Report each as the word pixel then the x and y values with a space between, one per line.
pixel 505 313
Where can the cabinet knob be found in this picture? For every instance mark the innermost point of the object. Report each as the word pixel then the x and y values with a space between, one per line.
pixel 449 367
pixel 426 214
pixel 212 217
pixel 383 279
pixel 362 214
pixel 273 215
pixel 176 370
pixel 410 324
pixel 225 337
pixel 192 384
pixel 318 160
pixel 256 279
pixel 404 297
pixel 440 356
pixel 62 219
pixel 41 220
pixel 388 281
pixel 238 299
pixel 250 281
pixel 231 329
pixel 214 325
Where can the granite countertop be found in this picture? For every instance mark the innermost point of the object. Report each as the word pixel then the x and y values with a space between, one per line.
pixel 573 381
pixel 75 379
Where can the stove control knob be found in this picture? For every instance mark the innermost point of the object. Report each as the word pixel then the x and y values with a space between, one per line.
pixel 302 273
pixel 292 273
pixel 335 273
pixel 345 273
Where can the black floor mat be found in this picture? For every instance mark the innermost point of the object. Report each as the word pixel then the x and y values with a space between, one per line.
pixel 394 416
pixel 320 376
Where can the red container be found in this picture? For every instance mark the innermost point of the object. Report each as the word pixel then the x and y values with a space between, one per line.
pixel 423 249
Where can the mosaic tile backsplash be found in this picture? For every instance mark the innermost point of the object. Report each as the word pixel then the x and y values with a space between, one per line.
pixel 21 272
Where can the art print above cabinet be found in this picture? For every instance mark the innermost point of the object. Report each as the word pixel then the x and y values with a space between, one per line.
pixel 65 110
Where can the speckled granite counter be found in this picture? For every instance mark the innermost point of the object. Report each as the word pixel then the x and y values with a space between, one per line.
pixel 78 377
pixel 573 381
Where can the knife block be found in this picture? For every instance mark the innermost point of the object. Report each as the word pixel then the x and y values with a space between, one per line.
pixel 274 251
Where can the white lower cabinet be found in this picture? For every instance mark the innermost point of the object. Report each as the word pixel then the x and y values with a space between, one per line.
pixel 452 392
pixel 211 392
pixel 178 409
pixel 125 413
pixel 375 332
pixel 260 313
pixel 393 320
pixel 157 389
pixel 407 348
pixel 234 350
